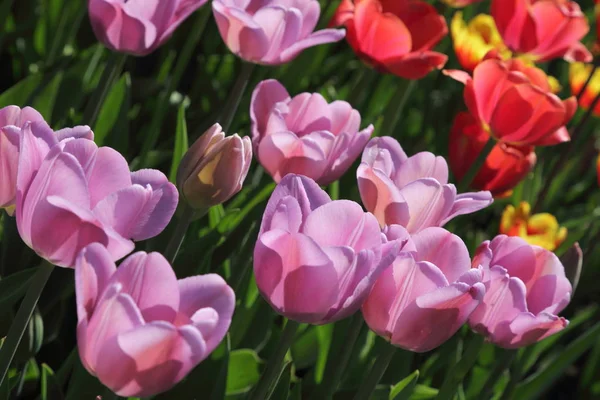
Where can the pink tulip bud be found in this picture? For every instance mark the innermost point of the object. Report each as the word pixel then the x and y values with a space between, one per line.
pixel 140 330
pixel 12 119
pixel 411 191
pixel 72 193
pixel 427 294
pixel 316 260
pixel 214 168
pixel 138 27
pixel 304 135
pixel 526 289
pixel 271 32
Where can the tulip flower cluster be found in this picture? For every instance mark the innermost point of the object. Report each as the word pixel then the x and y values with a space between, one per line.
pixel 381 252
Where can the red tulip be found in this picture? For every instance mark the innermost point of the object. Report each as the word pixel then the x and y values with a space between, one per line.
pixel 543 29
pixel 514 103
pixel 503 169
pixel 394 36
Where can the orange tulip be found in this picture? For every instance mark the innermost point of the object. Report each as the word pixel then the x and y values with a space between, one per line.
pixel 538 229
pixel 503 169
pixel 394 36
pixel 514 103
pixel 543 29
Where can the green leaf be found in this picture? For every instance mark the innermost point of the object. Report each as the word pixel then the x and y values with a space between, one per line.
pixel 82 385
pixel 46 99
pixel 50 389
pixel 243 371
pixel 113 114
pixel 14 286
pixel 19 93
pixel 403 389
pixel 324 336
pixel 537 384
pixel 423 392
pixel 282 387
pixel 181 142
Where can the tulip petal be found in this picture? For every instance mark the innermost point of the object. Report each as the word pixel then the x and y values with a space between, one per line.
pixel 429 203
pixel 149 359
pixel 421 165
pixel 443 249
pixel 208 292
pixel 416 65
pixel 467 203
pixel 528 329
pixel 308 113
pixel 264 98
pixel 346 149
pixel 504 300
pixel 78 132
pixel 381 197
pixel 151 282
pixel 308 194
pixel 323 36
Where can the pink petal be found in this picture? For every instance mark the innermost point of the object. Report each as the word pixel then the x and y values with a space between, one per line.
pixel 421 165
pixel 380 196
pixel 528 329
pixel 346 149
pixel 320 37
pixel 308 113
pixel 151 283
pixel 308 194
pixel 443 249
pixel 149 359
pixel 208 292
pixel 264 97
pixel 428 202
pixel 467 203
pixel 343 223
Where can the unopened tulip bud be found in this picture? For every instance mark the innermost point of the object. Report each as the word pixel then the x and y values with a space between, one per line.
pixel 214 168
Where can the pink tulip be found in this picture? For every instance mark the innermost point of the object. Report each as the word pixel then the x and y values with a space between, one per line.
pixel 526 289
pixel 271 32
pixel 12 119
pixel 72 193
pixel 413 192
pixel 427 295
pixel 140 330
pixel 138 27
pixel 214 168
pixel 543 29
pixel 304 135
pixel 316 260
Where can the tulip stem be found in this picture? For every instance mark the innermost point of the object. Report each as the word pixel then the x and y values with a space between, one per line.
pixel 334 190
pixel 458 373
pixel 19 324
pixel 235 97
pixel 273 368
pixel 336 366
pixel 394 109
pixel 377 370
pixel 468 178
pixel 111 72
pixel 183 223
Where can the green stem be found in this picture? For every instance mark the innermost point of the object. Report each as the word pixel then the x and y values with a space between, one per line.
pixel 334 190
pixel 467 179
pixel 457 374
pixel 183 61
pixel 395 108
pixel 274 366
pixel 235 97
pixel 183 223
pixel 113 69
pixel 501 365
pixel 17 328
pixel 381 363
pixel 336 366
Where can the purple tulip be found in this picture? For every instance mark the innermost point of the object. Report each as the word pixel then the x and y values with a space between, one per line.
pixel 526 289
pixel 72 193
pixel 316 260
pixel 304 135
pixel 12 119
pixel 140 330
pixel 271 32
pixel 138 27
pixel 427 294
pixel 413 192
pixel 214 168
